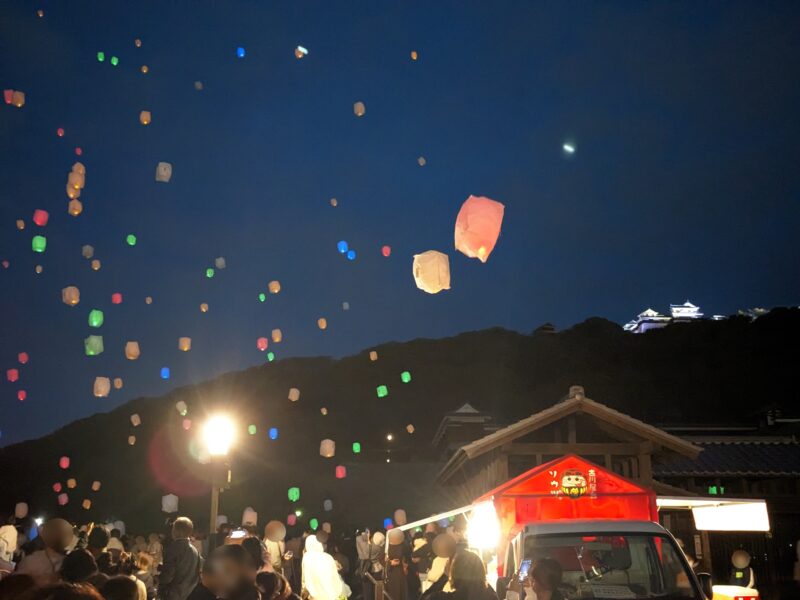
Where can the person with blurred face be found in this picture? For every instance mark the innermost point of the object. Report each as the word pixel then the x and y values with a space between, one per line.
pixel 181 563
pixel 44 565
pixel 234 573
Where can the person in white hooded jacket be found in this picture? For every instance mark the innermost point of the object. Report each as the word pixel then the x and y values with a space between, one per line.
pixel 321 578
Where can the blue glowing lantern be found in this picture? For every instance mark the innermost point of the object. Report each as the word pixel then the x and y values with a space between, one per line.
pixel 273 433
pixel 351 255
pixel 240 52
pixel 387 523
pixel 342 247
pixel 164 372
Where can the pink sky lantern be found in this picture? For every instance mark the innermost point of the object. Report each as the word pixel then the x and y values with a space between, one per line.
pixel 60 132
pixel 386 251
pixel 478 226
pixel 291 520
pixel 12 375
pixel 341 472
pixel 5 264
pixel 116 298
pixel 23 358
pixel 63 462
pixel 56 487
pixel 21 395
pixel 78 150
pixel 40 217
pixel 262 343
pixel 8 96
pixel 187 424
pixel 63 499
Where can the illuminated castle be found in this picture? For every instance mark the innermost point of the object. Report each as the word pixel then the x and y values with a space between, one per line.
pixel 651 319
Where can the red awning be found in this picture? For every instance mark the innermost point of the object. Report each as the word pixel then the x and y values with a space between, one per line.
pixel 569 488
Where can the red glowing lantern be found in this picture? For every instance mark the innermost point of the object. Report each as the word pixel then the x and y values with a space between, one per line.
pixel 116 298
pixel 6 264
pixel 63 462
pixel 57 487
pixel 12 375
pixel 341 472
pixel 78 151
pixel 262 343
pixel 22 357
pixel 291 520
pixel 8 96
pixel 386 251
pixel 60 132
pixel 40 217
pixel 21 395
pixel 63 499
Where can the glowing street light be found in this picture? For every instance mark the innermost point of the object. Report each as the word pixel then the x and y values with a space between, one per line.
pixel 218 434
pixel 483 527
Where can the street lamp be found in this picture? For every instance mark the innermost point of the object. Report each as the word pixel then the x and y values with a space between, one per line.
pixel 218 434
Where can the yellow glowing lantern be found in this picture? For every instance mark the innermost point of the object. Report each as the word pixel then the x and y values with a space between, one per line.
pixel 75 207
pixel 274 287
pixel 204 307
pixel 95 264
pixel 131 440
pixel 145 69
pixel 70 295
pixel 327 448
pixel 86 504
pixel 414 55
pixel 72 484
pixel 102 385
pixel 277 336
pixel 20 224
pixel 184 344
pixel 118 383
pixel 132 350
pixel 144 117
pixel 322 323
pixel 96 486
pixel 294 394
pixel 373 355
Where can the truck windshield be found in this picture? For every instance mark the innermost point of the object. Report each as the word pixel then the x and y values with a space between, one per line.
pixel 619 566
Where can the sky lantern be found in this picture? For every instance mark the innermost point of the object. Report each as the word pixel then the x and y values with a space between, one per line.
pixel 164 372
pixel 63 499
pixel 86 504
pixel 203 307
pixel 291 520
pixel 145 69
pixel 145 117
pixel 23 358
pixel 40 217
pixel 342 247
pixel 386 251
pixel 274 287
pixel 323 411
pixel 432 271
pixel 421 161
pixel 163 172
pixel 39 243
pixel 8 96
pixel 478 226
pixel 345 306
pixel 96 317
pixel 95 264
pixel 18 99
pixel 262 343
pixel 351 254
pixel 181 407
pixel 116 298
pixel 186 424
pixel 273 433
pixel 341 472
pixel 22 395
pixel 93 345
pixel 327 505
pixel 210 273
pixel 220 262
pixel 277 336
pixel 118 383
pixel 405 376
pixel 414 55
pixel 56 487
pixel 130 239
pixel 198 85
pixel 322 323
pixel 356 447
pixel 359 109
pixel 373 355
pixel 131 440
pixel 184 344
pixel 300 52
pixel 63 462
pixel 87 251
pixel 240 52
pixel 293 494
pixel 20 224
pixel 136 420
pixel 327 448
pixel 132 350
pixel 294 394
pixel 70 295
pixel 96 486
pixel 12 375
pixel 72 483
pixel 75 207
pixel 148 300
pixel 252 429
pixel 137 42
pixel 102 386
pixel 382 391
pixel 169 503
pixel 410 428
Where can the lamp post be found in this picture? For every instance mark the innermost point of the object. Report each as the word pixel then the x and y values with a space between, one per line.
pixel 218 434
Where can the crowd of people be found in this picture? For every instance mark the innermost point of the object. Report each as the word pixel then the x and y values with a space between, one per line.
pixel 93 562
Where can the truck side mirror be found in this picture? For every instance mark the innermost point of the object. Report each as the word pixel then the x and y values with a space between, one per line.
pixel 706 585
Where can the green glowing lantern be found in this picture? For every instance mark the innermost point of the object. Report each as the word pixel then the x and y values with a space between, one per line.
pixel 382 391
pixel 356 447
pixel 262 297
pixel 209 272
pixel 93 345
pixel 95 318
pixel 39 243
pixel 405 376
pixel 294 494
pixel 114 61
pixel 270 356
pixel 251 429
pixel 314 524
pixel 131 239
pixel 101 56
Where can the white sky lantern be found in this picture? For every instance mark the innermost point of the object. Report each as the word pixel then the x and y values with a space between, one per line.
pixel 164 172
pixel 478 226
pixel 294 394
pixel 136 420
pixel 132 351
pixel 277 336
pixel 327 505
pixel 359 109
pixel 184 344
pixel 220 263
pixel 432 271
pixel 169 503
pixel 102 386
pixel 300 52
pixel 249 516
pixel 131 440
pixel 327 448
pixel 70 295
pixel 373 355
pixel 483 526
pixel 21 511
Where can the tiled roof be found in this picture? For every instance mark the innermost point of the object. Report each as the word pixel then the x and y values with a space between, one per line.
pixel 740 458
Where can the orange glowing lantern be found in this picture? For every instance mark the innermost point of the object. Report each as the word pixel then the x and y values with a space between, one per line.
pixel 478 226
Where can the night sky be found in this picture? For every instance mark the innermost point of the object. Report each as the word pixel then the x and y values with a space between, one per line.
pixel 684 183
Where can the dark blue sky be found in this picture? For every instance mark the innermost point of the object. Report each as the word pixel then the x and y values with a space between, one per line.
pixel 684 184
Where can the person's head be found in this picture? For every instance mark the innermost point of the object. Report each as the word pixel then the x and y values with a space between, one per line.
pixel 225 529
pixel 467 571
pixel 740 559
pixel 546 575
pixel 273 586
pixel 120 587
pixel 15 585
pixel 115 533
pixel 233 570
pixel 65 591
pixel 207 575
pixel 153 538
pixel 144 562
pixel 78 566
pixel 182 528
pixel 57 534
pixel 255 549
pixel 98 538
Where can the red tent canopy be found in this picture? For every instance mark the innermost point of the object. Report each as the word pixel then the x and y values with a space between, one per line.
pixel 569 488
